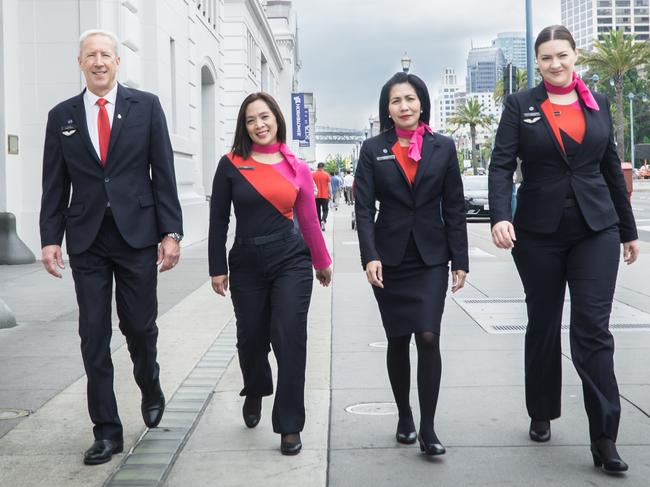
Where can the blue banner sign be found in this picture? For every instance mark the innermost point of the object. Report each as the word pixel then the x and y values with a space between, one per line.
pixel 298 116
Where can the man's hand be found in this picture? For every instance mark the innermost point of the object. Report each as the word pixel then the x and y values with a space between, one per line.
pixel 220 284
pixel 503 235
pixel 458 280
pixel 51 258
pixel 374 274
pixel 631 251
pixel 169 252
pixel 324 276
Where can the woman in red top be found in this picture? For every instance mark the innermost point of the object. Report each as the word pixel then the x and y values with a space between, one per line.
pixel 572 215
pixel 413 173
pixel 270 261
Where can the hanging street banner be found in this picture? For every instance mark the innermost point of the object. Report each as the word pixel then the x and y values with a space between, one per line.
pixel 306 142
pixel 298 116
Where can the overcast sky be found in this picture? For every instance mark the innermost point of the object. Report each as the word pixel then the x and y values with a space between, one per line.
pixel 349 48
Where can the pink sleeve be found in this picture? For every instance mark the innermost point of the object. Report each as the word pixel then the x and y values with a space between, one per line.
pixel 305 208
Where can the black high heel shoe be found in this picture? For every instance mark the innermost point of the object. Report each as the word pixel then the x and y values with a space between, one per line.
pixel 540 430
pixel 406 433
pixel 431 446
pixel 290 444
pixel 252 410
pixel 605 455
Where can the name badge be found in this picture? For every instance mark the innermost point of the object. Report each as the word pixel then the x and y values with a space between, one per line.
pixel 386 158
pixel 246 168
pixel 532 114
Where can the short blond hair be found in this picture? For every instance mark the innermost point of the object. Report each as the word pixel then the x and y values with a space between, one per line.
pixel 99 32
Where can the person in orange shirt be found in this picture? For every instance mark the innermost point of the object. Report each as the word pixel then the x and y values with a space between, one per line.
pixel 323 184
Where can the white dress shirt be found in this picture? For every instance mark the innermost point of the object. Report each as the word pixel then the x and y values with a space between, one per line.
pixel 92 112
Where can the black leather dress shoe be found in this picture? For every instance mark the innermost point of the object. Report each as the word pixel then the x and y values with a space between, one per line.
pixel 605 455
pixel 102 451
pixel 153 407
pixel 252 410
pixel 290 444
pixel 406 433
pixel 431 446
pixel 540 430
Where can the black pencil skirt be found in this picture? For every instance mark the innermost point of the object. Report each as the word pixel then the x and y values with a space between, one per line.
pixel 413 297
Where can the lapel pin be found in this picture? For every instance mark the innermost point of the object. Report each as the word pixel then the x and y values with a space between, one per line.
pixel 531 108
pixel 119 115
pixel 69 121
pixel 385 151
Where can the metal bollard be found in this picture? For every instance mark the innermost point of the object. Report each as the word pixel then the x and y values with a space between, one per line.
pixel 12 249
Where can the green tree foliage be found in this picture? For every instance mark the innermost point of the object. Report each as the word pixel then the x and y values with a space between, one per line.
pixel 472 114
pixel 614 58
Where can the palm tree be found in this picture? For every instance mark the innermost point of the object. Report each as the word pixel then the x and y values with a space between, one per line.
pixel 472 114
pixel 614 55
pixel 522 84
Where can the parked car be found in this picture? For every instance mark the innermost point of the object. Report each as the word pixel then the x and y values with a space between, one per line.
pixel 476 197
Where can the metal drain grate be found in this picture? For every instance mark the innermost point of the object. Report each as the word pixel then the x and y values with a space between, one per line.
pixel 508 315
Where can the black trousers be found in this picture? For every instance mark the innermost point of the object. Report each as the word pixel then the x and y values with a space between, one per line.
pixel 270 286
pixel 588 261
pixel 322 205
pixel 135 274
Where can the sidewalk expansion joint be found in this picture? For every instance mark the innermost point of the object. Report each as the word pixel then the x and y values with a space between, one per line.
pixel 152 457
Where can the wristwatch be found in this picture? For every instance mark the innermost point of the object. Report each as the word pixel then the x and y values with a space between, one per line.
pixel 176 236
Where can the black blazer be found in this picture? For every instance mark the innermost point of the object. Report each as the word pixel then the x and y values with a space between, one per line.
pixel 138 180
pixel 433 208
pixel 595 174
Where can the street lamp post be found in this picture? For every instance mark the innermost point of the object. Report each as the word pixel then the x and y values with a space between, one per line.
pixel 631 97
pixel 529 44
pixel 406 63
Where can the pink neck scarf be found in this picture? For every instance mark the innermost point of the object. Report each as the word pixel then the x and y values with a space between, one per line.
pixel 415 136
pixel 577 84
pixel 281 148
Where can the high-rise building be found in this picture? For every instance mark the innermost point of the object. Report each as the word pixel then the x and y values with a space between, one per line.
pixel 590 19
pixel 445 103
pixel 484 68
pixel 513 45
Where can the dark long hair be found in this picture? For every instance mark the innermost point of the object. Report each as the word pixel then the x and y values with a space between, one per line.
pixel 552 33
pixel 421 90
pixel 243 145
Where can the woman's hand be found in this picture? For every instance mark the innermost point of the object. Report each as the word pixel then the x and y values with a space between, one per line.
pixel 457 280
pixel 373 273
pixel 631 251
pixel 220 284
pixel 324 276
pixel 503 234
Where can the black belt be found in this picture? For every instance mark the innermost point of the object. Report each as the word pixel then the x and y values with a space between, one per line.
pixel 265 239
pixel 570 202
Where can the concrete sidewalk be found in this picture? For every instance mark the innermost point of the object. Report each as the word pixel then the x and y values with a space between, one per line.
pixel 481 415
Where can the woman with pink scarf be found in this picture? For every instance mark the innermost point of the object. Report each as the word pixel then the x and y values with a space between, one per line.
pixel 414 174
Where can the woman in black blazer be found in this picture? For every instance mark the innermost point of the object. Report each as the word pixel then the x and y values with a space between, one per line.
pixel 414 175
pixel 572 214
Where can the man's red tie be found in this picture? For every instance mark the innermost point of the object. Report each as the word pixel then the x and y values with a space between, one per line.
pixel 103 129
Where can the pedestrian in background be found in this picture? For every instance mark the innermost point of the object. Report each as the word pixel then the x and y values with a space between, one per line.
pixel 336 186
pixel 270 265
pixel 110 145
pixel 572 214
pixel 413 173
pixel 348 185
pixel 322 181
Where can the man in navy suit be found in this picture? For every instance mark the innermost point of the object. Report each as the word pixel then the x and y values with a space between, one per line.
pixel 110 145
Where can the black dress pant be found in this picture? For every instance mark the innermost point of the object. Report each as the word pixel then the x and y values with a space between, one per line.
pixel 135 276
pixel 322 205
pixel 270 286
pixel 588 261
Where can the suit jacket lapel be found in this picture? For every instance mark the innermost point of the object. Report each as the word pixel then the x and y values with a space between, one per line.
pixel 391 139
pixel 428 144
pixel 122 107
pixel 79 111
pixel 542 96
